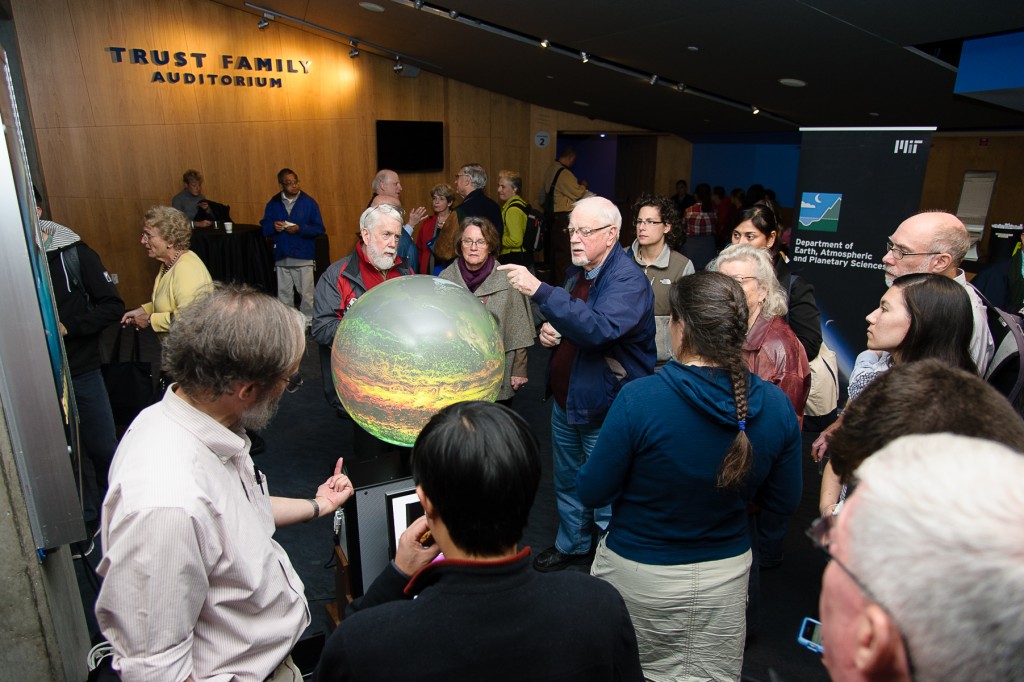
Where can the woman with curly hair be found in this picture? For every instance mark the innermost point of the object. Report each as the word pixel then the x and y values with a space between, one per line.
pixel 659 232
pixel 680 456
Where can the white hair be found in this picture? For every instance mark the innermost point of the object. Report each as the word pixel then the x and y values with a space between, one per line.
pixel 371 217
pixel 774 297
pixel 938 536
pixel 604 210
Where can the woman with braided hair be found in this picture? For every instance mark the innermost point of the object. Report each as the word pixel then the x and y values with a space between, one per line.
pixel 681 455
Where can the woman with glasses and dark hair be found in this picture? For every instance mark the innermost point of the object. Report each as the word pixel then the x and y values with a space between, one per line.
pixel 759 227
pixel 659 232
pixel 474 269
pixel 677 546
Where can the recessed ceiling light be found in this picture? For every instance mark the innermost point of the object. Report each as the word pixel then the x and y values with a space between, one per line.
pixel 872 113
pixel 550 78
pixel 792 82
pixel 693 48
pixel 580 103
pixel 371 7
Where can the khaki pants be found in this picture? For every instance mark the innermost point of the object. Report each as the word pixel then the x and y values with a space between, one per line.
pixel 286 672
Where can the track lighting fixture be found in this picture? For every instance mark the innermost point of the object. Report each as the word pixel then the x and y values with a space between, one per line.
pixel 754 110
pixel 398 68
pixel 653 80
pixel 265 21
pixel 584 57
pixel 354 52
pixel 545 43
pixel 681 87
pixel 453 14
pixel 418 4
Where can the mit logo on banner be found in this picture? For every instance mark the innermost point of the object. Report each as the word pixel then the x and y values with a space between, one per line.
pixel 907 146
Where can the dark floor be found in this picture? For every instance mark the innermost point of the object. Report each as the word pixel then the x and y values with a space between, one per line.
pixel 306 438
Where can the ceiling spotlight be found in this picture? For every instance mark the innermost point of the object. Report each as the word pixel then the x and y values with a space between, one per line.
pixel 418 4
pixel 681 87
pixel 584 57
pixel 453 14
pixel 653 80
pixel 354 52
pixel 265 21
pixel 398 68
pixel 545 43
pixel 754 110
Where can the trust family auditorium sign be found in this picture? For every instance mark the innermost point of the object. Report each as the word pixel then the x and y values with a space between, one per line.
pixel 211 70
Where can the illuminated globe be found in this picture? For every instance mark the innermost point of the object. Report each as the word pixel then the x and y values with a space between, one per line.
pixel 409 347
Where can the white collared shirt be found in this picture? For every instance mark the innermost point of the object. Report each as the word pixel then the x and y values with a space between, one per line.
pixel 194 583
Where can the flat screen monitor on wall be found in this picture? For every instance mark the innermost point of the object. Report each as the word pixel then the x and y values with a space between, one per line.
pixel 410 145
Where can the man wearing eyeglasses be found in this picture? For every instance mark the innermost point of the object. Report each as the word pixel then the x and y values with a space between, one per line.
pixel 925 580
pixel 374 260
pixel 936 242
pixel 195 587
pixel 600 325
pixel 469 184
pixel 292 221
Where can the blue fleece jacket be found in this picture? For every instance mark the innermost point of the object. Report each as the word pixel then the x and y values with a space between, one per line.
pixel 305 214
pixel 657 459
pixel 613 331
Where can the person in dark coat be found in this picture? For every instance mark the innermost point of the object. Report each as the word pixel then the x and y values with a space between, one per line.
pixel 481 612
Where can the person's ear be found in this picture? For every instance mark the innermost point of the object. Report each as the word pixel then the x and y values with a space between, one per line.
pixel 879 650
pixel 941 262
pixel 428 506
pixel 771 239
pixel 247 392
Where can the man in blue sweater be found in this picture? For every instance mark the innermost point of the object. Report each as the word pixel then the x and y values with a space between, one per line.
pixel 601 331
pixel 292 221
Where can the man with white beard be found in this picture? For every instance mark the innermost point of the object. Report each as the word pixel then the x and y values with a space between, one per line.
pixel 373 261
pixel 194 585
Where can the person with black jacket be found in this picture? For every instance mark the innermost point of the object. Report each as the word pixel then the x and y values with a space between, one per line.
pixel 87 302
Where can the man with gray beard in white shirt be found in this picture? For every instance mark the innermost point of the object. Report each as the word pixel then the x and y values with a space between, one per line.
pixel 195 587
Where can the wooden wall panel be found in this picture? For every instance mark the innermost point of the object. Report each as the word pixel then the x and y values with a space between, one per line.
pixel 952 155
pixel 112 142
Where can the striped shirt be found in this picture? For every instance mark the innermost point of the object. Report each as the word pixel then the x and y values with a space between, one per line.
pixel 193 584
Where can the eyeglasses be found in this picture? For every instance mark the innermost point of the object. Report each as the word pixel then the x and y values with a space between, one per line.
pixel 584 231
pixel 146 236
pixel 640 221
pixel 900 254
pixel 290 183
pixel 294 383
pixel 819 534
pixel 479 243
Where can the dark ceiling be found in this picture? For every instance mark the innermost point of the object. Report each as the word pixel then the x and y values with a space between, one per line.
pixel 853 55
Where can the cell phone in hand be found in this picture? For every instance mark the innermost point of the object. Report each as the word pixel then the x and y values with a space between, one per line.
pixel 810 635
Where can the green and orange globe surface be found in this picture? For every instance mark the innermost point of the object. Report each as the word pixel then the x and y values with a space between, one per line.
pixel 409 347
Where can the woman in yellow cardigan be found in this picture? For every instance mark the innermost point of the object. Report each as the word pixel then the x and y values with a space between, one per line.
pixel 182 277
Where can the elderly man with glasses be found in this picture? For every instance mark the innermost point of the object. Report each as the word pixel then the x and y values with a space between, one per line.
pixel 929 242
pixel 925 580
pixel 600 325
pixel 195 587
pixel 469 184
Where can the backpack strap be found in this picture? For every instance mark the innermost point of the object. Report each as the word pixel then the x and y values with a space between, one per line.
pixel 1013 325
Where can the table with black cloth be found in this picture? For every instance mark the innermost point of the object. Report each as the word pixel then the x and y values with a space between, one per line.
pixel 242 256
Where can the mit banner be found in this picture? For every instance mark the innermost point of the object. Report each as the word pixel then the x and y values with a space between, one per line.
pixel 855 186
